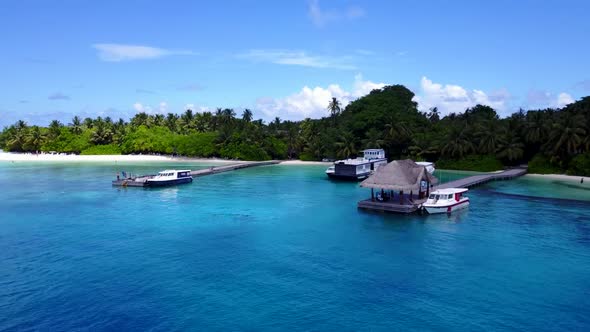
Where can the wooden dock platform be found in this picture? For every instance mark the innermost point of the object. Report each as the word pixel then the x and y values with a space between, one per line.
pixel 232 167
pixel 392 206
pixel 411 206
pixel 140 181
pixel 480 179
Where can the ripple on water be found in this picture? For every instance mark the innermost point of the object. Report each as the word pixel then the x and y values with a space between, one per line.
pixel 282 247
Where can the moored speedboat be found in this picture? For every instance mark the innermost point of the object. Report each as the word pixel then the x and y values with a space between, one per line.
pixel 170 177
pixel 446 200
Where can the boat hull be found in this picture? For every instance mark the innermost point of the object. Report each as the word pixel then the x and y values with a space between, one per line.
pixel 359 177
pixel 434 209
pixel 165 183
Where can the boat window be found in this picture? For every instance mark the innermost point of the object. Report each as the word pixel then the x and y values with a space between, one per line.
pixel 450 196
pixel 431 196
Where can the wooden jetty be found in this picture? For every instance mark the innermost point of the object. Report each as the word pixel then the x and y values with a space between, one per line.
pixel 409 204
pixel 477 180
pixel 141 181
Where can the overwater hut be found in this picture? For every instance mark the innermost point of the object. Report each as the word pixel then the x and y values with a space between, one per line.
pixel 400 186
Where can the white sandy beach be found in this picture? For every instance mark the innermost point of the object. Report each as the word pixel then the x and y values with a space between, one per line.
pixel 301 162
pixel 561 177
pixel 46 157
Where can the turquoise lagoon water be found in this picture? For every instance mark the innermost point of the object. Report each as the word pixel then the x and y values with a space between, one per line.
pixel 282 247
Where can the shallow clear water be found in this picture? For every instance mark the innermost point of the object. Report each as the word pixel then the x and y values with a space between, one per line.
pixel 280 247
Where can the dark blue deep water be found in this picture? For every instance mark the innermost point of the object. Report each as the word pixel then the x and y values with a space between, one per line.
pixel 281 248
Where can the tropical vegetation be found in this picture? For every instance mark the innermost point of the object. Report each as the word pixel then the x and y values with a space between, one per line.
pixel 549 140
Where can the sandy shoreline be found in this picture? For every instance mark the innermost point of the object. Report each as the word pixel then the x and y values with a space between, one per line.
pixel 562 177
pixel 28 157
pixel 301 162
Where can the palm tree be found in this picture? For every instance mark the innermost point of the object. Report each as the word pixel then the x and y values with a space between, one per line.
pixel 511 148
pixel 346 145
pixel 434 115
pixel 373 139
pixel 17 141
pixel 228 114
pixel 247 115
pixel 54 129
pixel 159 119
pixel 20 126
pixel 102 134
pixel 536 130
pixel 334 108
pixel 119 131
pixel 421 148
pixel 458 144
pixel 76 125
pixel 35 139
pixel 567 135
pixel 88 123
pixel 398 130
pixel 489 134
pixel 140 119
pixel 171 120
pixel 317 147
pixel 292 140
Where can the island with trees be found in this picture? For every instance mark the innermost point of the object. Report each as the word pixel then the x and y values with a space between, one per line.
pixel 548 140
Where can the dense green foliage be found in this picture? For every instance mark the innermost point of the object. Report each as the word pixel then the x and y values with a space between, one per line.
pixel 482 163
pixel 550 140
pixel 541 164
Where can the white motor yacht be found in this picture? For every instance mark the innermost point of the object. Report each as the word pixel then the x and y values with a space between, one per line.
pixel 446 200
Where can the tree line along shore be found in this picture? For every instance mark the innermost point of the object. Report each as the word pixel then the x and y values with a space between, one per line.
pixel 548 140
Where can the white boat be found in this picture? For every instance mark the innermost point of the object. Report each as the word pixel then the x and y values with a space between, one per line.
pixel 359 168
pixel 446 200
pixel 170 177
pixel 429 166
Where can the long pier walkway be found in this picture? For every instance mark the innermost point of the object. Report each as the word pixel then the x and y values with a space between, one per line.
pixel 477 180
pixel 141 181
pixel 232 167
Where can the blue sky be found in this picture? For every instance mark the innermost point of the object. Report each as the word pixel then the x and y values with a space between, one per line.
pixel 285 58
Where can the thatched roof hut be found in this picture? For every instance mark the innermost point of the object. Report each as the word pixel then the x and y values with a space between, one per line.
pixel 399 175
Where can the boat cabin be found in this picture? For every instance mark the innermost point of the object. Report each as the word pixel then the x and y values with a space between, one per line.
pixel 370 154
pixel 173 174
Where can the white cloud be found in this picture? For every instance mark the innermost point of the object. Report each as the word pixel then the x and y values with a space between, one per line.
pixel 545 99
pixel 299 58
pixel 138 107
pixel 123 52
pixel 320 17
pixel 564 99
pixel 163 107
pixel 451 98
pixel 313 102
pixel 362 87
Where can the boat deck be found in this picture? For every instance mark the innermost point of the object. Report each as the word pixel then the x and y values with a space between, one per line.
pixel 140 181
